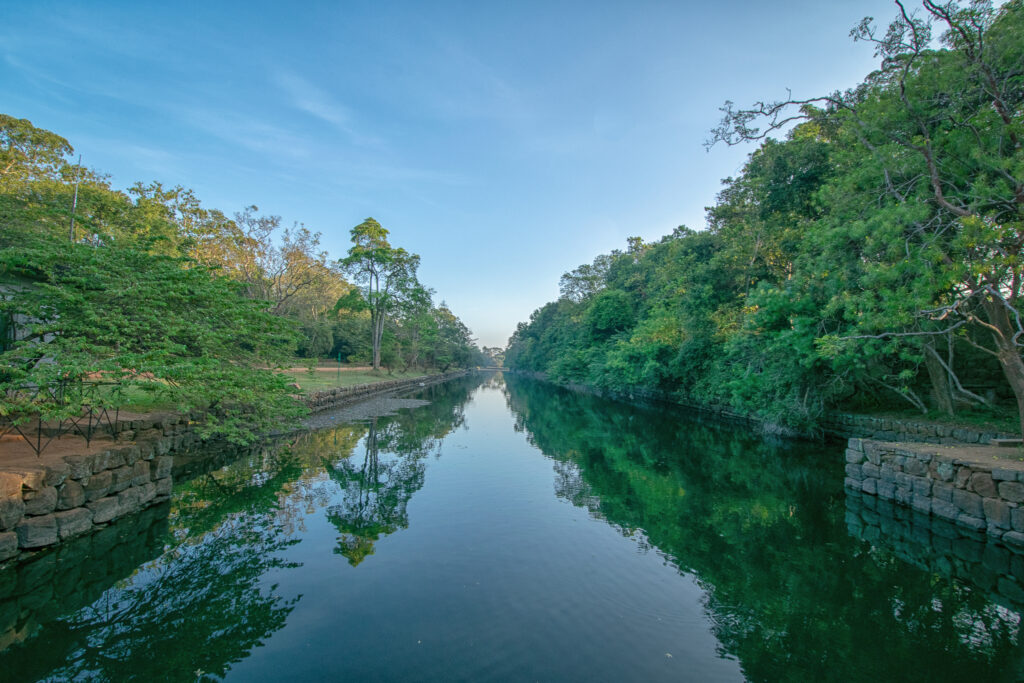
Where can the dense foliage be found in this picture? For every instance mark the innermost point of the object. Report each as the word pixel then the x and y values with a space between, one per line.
pixel 106 296
pixel 873 252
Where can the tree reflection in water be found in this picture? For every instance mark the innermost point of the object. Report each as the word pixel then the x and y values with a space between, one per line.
pixel 376 490
pixel 761 527
pixel 212 595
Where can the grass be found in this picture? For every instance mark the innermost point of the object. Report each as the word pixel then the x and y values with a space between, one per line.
pixel 328 378
pixel 135 399
pixel 1002 418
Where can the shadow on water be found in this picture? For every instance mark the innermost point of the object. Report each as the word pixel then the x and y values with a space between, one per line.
pixel 183 590
pixel 791 592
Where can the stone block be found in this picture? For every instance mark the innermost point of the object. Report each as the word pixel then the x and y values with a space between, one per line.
pixel 868 486
pixel 847 482
pixel 915 467
pixel 1014 540
pixel 10 485
pixel 944 471
pixel 121 478
pixel 99 461
pixel 36 532
pixel 961 476
pixel 78 466
pixel 945 510
pixel 941 491
pixel 904 480
pixel 162 445
pixel 140 473
pixel 12 509
pixel 922 487
pixel 1017 519
pixel 982 484
pixel 971 522
pixel 73 522
pixel 98 485
pixel 885 489
pixel 1004 474
pixel 969 502
pixel 854 472
pixel 997 512
pixel 147 494
pixel 8 545
pixel 128 501
pixel 104 509
pixel 162 467
pixel 873 452
pixel 132 454
pixel 70 495
pixel 922 503
pixel 32 478
pixel 164 486
pixel 904 495
pixel 870 470
pixel 56 473
pixel 855 445
pixel 1012 491
pixel 41 502
pixel 887 473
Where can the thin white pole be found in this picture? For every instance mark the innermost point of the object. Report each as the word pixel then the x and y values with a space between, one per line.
pixel 74 202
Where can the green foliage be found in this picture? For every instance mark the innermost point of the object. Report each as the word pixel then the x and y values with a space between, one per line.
pixel 875 251
pixel 140 321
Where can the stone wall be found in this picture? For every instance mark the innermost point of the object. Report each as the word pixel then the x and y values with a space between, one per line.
pixel 54 499
pixel 939 547
pixel 75 574
pixel 343 396
pixel 962 485
pixel 848 425
pixel 59 498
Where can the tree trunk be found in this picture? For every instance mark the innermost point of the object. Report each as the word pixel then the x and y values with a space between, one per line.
pixel 1007 352
pixel 942 392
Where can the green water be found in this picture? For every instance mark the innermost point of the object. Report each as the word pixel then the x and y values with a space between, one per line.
pixel 509 530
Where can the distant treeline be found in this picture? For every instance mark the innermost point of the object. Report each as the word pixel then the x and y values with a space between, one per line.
pixel 871 259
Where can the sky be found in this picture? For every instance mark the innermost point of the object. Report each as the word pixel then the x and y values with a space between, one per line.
pixel 505 143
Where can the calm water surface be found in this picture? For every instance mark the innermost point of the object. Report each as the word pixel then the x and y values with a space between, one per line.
pixel 509 530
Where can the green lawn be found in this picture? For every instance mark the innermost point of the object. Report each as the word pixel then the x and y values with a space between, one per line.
pixel 138 400
pixel 325 378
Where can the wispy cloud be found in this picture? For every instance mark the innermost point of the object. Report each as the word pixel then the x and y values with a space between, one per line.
pixel 316 102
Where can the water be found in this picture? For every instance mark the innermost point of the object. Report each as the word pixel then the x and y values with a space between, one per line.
pixel 508 530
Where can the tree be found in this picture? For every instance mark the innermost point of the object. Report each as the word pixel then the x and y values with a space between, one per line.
pixel 385 274
pixel 941 129
pixel 28 153
pixel 138 322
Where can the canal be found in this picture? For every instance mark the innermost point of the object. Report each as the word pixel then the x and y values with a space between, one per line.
pixel 498 528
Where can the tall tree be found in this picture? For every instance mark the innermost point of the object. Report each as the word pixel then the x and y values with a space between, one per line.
pixel 385 275
pixel 941 128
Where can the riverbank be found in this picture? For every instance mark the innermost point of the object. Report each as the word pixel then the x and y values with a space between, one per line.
pixel 835 425
pixel 978 487
pixel 76 487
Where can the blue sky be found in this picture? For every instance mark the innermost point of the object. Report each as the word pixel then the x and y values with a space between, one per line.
pixel 506 143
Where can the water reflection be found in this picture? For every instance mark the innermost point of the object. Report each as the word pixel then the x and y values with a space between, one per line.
pixel 790 593
pixel 183 591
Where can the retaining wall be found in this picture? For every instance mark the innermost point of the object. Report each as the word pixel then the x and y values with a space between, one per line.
pixel 939 547
pixel 63 497
pixel 849 425
pixel 54 499
pixel 964 485
pixel 343 396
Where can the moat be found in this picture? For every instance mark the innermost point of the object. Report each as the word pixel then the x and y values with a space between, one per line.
pixel 498 528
